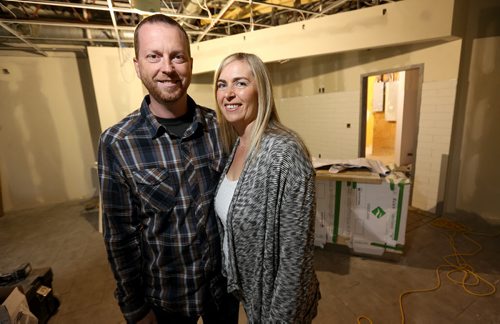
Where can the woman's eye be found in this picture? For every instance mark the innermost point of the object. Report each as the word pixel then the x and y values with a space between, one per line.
pixel 240 84
pixel 221 85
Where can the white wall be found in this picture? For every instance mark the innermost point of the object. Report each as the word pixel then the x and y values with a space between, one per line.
pixel 341 73
pixel 328 123
pixel 46 153
pixel 435 123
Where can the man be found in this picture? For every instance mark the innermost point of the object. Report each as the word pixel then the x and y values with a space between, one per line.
pixel 158 169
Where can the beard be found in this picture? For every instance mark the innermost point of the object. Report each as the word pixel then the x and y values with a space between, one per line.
pixel 165 96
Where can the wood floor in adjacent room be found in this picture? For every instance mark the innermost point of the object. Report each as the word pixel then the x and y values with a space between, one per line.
pixel 65 238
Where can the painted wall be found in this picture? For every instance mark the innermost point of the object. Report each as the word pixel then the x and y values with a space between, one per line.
pixel 370 82
pixel 46 151
pixel 402 22
pixel 118 90
pixel 475 188
pixel 341 73
pixel 201 89
pixel 50 122
pixel 328 123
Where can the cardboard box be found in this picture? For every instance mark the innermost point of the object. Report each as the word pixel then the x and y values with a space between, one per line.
pixel 16 310
pixel 36 289
pixel 370 218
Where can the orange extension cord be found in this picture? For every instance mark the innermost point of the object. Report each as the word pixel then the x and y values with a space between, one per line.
pixel 459 272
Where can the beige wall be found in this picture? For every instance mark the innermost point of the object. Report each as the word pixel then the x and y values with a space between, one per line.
pixel 201 89
pixel 46 153
pixel 118 90
pixel 342 72
pixel 479 176
pixel 475 186
pixel 49 123
pixel 402 22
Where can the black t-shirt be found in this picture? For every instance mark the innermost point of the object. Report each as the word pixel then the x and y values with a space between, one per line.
pixel 177 126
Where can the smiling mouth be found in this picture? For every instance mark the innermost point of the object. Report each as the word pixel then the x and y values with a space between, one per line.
pixel 168 82
pixel 232 106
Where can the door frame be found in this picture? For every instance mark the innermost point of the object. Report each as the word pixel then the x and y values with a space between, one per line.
pixel 364 95
pixel 363 103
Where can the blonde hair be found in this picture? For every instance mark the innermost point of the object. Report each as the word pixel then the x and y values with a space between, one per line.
pixel 267 117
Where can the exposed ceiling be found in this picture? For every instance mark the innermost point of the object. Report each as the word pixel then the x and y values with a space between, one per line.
pixel 40 25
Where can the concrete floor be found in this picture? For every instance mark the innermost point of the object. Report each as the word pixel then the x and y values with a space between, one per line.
pixel 65 238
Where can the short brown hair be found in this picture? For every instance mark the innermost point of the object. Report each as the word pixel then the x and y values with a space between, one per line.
pixel 158 18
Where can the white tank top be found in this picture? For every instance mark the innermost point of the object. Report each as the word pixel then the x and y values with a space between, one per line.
pixel 222 202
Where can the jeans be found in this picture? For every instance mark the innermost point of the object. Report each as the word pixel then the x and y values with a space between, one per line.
pixel 226 313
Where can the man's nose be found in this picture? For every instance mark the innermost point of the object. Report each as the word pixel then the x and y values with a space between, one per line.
pixel 167 66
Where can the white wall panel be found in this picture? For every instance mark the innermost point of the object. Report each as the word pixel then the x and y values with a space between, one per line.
pixel 322 121
pixel 433 143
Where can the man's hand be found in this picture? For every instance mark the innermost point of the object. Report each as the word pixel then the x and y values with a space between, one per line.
pixel 150 318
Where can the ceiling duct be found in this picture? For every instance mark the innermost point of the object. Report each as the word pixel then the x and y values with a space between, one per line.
pixel 191 8
pixel 147 5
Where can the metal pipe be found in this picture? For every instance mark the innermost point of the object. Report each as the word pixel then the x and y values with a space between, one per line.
pixel 331 7
pixel 127 29
pixel 213 22
pixel 113 19
pixel 47 47
pixel 88 33
pixel 129 10
pixel 278 6
pixel 13 32
pixel 88 39
pixel 74 5
pixel 63 24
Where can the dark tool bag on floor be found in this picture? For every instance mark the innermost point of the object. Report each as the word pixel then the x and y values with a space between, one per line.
pixel 37 287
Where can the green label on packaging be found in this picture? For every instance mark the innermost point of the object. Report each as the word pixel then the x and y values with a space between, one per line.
pixel 378 212
pixel 336 212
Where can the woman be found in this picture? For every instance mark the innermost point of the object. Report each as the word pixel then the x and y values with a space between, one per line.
pixel 265 199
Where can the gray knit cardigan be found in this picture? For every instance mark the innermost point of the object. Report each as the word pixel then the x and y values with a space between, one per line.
pixel 271 233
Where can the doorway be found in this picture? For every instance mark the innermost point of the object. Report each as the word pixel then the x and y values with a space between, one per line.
pixel 389 116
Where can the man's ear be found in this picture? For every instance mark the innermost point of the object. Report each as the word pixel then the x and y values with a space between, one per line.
pixel 137 69
pixel 191 64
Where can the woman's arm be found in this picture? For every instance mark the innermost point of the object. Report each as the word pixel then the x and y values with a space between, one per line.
pixel 296 286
